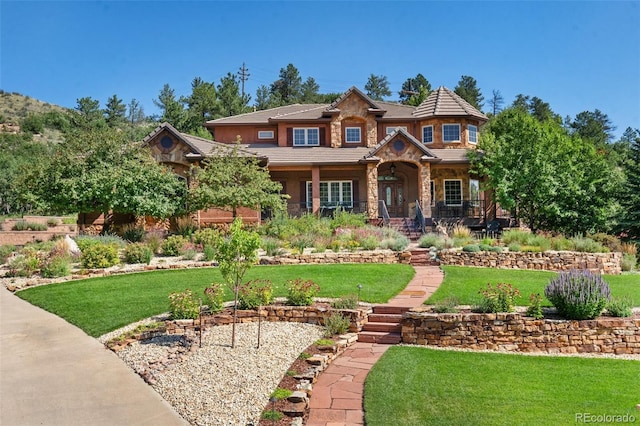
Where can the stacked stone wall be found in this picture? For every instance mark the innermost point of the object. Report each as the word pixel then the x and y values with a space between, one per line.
pixel 515 332
pixel 604 263
pixel 376 256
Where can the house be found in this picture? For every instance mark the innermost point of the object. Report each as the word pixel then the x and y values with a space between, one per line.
pixel 380 158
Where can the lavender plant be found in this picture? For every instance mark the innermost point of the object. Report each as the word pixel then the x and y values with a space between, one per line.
pixel 578 294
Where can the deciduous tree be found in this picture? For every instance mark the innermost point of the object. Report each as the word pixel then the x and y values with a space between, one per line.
pixel 496 102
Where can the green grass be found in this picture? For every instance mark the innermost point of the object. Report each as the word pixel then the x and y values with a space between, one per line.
pixel 465 282
pixel 100 305
pixel 421 386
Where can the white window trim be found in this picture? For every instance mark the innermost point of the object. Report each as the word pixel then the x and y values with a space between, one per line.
pixel 329 182
pixel 392 129
pixel 346 129
pixel 453 140
pixel 306 136
pixel 425 127
pixel 469 133
pixel 445 191
pixel 266 134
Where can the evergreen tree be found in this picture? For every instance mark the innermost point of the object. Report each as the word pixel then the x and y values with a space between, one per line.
pixel 115 111
pixel 468 90
pixel 593 126
pixel 630 222
pixel 87 114
pixel 265 99
pixel 230 100
pixel 288 86
pixel 377 87
pixel 171 109
pixel 496 102
pixel 413 89
pixel 136 112
pixel 309 91
pixel 202 105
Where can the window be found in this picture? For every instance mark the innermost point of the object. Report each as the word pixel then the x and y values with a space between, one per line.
pixel 352 134
pixel 451 132
pixel 433 193
pixel 310 136
pixel 474 192
pixel 427 134
pixel 265 134
pixel 453 192
pixel 332 194
pixel 473 133
pixel 393 129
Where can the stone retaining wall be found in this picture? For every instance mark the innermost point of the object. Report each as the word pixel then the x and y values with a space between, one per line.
pixel 374 256
pixel 515 332
pixel 604 263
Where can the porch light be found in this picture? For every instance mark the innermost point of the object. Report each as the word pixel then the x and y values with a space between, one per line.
pixel 393 169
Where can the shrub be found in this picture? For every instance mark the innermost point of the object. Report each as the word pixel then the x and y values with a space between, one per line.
pixel 484 247
pixel 185 226
pixel 137 253
pixel 620 307
pixel 22 225
pixel 630 248
pixel 461 231
pixel 88 240
pixel 69 220
pixel 273 415
pixel 183 305
pixel 611 242
pixel 174 245
pixel 472 248
pixel 515 247
pixel 335 245
pixel 154 241
pixel 6 251
pixel 346 302
pixel 560 243
pixel 586 245
pixel 336 323
pixel 344 219
pixel 397 243
pixel 447 305
pixel 461 241
pixel 489 241
pixel 24 265
pixel 516 236
pixel 209 253
pixel 628 262
pixel 281 393
pixel 301 293
pixel 189 253
pixel 578 294
pixel 56 265
pixel 214 297
pixel 431 240
pixel 132 233
pixel 500 298
pixel 99 255
pixel 206 237
pixel 255 293
pixel 531 249
pixel 301 242
pixel 535 306
pixel 496 249
pixel 369 243
pixel 51 222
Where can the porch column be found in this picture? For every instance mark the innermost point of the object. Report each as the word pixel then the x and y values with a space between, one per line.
pixel 425 188
pixel 372 190
pixel 315 189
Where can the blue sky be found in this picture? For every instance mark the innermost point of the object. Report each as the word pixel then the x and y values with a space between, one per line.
pixel 576 56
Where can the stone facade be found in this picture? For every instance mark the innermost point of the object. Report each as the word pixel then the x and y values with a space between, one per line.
pixel 515 332
pixel 375 256
pixel 604 263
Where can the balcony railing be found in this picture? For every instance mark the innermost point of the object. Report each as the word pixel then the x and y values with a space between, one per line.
pixel 326 210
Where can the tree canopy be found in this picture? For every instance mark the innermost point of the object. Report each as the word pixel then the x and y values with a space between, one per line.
pixel 377 87
pixel 630 220
pixel 414 90
pixel 551 180
pixel 467 88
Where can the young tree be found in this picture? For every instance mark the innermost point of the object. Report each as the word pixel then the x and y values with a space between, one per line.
pixel 468 90
pixel 99 170
pixel 496 102
pixel 288 86
pixel 413 88
pixel 231 178
pixel 115 111
pixel 377 87
pixel 550 180
pixel 235 255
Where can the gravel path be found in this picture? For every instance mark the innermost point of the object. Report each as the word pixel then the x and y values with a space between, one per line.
pixel 217 385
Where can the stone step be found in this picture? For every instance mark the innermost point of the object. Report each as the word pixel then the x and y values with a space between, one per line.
pixel 391 318
pixel 382 326
pixel 379 337
pixel 387 309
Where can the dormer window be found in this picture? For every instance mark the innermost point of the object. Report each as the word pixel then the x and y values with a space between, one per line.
pixel 473 133
pixel 352 135
pixel 306 136
pixel 451 133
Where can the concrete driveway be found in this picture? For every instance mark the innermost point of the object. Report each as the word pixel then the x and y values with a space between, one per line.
pixel 52 373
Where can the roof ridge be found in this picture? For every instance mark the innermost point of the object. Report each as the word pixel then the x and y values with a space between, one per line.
pixel 318 106
pixel 462 102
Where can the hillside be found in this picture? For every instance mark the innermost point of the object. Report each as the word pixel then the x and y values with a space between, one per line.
pixel 14 107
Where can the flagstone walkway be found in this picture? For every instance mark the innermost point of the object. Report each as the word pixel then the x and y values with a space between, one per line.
pixel 337 395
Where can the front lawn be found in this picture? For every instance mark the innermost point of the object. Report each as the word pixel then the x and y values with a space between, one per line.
pixel 421 386
pixel 465 282
pixel 100 305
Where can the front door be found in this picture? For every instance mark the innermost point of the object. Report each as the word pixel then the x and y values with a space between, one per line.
pixel 393 195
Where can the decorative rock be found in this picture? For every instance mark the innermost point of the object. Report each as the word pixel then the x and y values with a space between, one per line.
pixel 298 396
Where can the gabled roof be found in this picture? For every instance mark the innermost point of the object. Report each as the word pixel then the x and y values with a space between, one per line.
pixel 200 147
pixel 310 111
pixel 427 154
pixel 444 102
pixel 373 106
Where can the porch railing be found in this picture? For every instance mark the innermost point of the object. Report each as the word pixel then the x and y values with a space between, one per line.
pixel 420 221
pixel 326 210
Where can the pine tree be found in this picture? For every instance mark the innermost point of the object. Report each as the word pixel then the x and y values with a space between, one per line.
pixel 377 87
pixel 468 90
pixel 630 223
